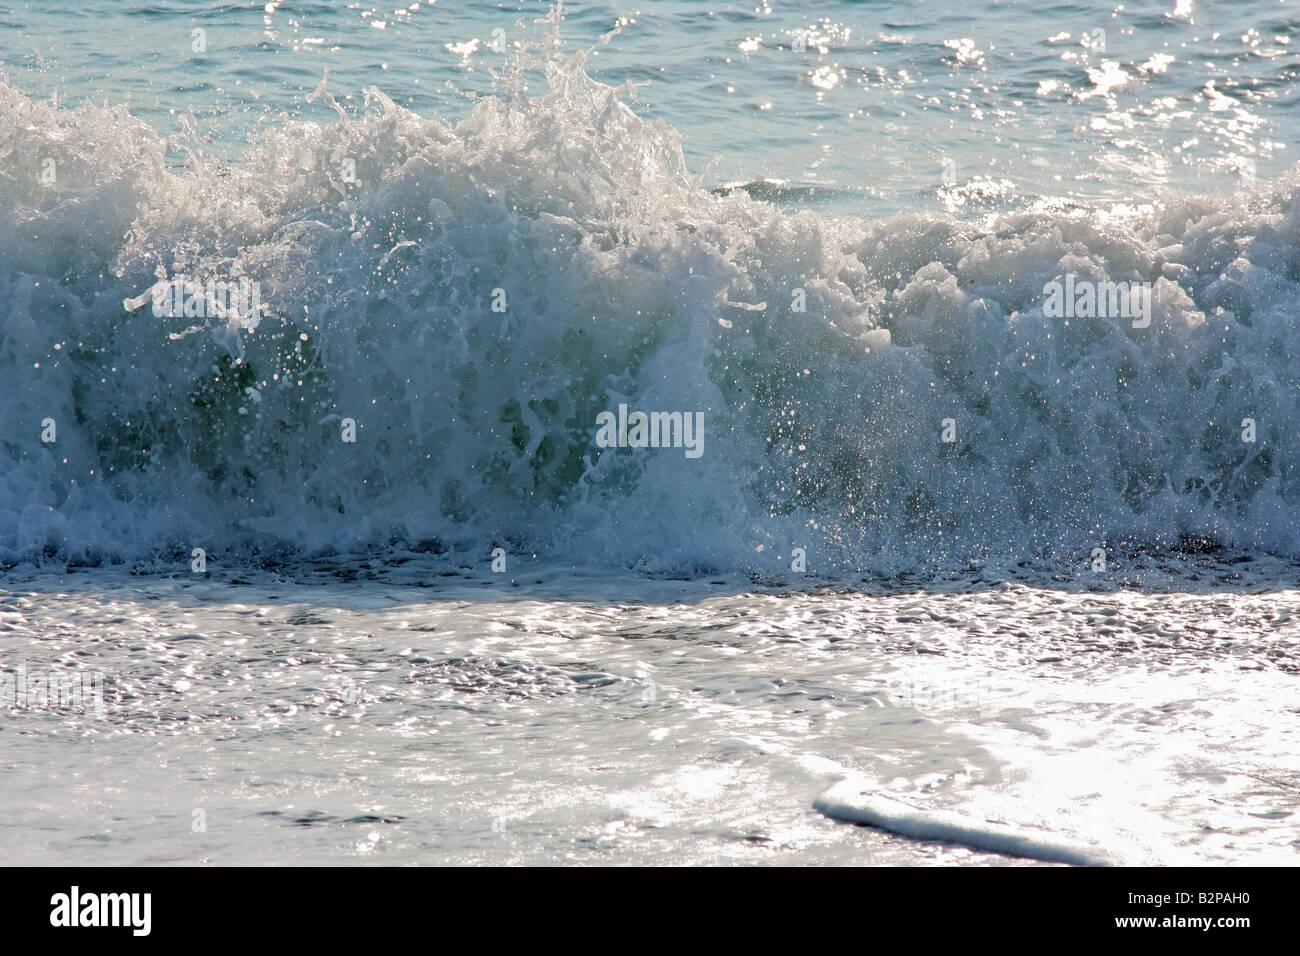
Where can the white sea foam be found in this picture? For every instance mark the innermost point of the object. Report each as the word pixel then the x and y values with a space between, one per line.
pixel 625 282
pixel 853 802
pixel 411 707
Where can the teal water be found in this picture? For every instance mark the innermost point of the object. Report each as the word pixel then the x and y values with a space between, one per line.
pixel 1010 101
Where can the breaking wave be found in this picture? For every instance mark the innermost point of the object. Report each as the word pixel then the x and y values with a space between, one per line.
pixel 381 243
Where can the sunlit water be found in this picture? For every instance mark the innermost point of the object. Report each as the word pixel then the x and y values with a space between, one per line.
pixel 412 710
pixel 870 107
pixel 1080 620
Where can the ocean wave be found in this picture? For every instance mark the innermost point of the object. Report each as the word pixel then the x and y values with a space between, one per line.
pixel 472 297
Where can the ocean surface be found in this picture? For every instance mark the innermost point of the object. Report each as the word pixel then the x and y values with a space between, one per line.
pixel 341 567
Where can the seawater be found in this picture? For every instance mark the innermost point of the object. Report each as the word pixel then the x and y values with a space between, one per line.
pixel 354 579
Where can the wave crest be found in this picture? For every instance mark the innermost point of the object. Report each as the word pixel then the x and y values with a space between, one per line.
pixel 381 243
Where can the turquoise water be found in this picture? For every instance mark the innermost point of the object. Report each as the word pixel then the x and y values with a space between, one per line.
pixel 1010 101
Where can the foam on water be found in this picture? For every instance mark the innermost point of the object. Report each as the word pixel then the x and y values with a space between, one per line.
pixel 854 802
pixel 416 707
pixel 627 281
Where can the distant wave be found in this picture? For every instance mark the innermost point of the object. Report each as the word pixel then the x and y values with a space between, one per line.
pixel 379 243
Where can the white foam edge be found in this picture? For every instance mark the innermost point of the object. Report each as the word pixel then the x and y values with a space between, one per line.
pixel 849 802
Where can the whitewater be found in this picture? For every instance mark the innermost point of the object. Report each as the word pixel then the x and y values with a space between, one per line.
pixel 360 583
pixel 624 281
